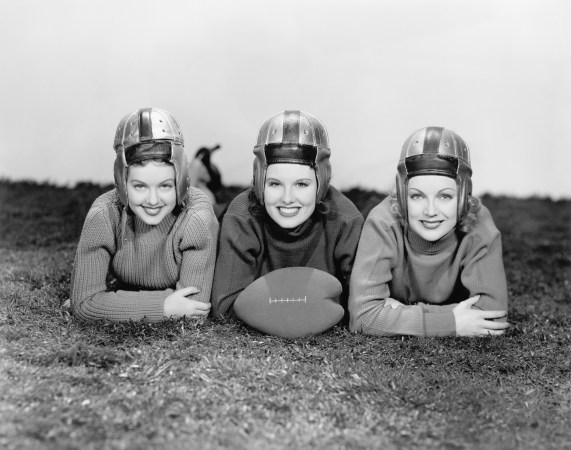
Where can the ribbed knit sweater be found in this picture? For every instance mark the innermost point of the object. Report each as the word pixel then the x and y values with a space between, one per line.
pixel 252 246
pixel 128 276
pixel 430 278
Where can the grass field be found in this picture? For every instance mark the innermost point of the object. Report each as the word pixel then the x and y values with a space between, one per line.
pixel 218 384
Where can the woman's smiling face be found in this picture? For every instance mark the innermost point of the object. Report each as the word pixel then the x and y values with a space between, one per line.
pixel 151 191
pixel 432 202
pixel 290 193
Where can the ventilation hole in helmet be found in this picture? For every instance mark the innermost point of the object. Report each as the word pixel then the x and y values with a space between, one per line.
pixel 304 131
pixel 274 131
pixel 447 144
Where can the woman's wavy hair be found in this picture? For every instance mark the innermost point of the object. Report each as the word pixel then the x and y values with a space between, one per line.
pixel 159 161
pixel 463 226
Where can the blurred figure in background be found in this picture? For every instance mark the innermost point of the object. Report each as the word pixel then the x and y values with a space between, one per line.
pixel 204 175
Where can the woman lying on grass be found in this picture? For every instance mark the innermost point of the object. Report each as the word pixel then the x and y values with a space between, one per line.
pixel 290 217
pixel 429 261
pixel 148 247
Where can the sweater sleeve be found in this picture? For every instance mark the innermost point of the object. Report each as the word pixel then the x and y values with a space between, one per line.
pixel 483 272
pixel 345 250
pixel 198 248
pixel 89 297
pixel 377 254
pixel 237 262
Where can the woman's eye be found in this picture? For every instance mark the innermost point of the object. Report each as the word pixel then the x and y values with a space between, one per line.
pixel 272 183
pixel 302 184
pixel 139 187
pixel 166 187
pixel 446 197
pixel 414 196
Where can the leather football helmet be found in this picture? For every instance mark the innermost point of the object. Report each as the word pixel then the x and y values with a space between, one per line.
pixel 146 134
pixel 294 137
pixel 435 151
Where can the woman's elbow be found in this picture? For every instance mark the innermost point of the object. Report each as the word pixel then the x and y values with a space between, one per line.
pixel 79 308
pixel 78 312
pixel 357 322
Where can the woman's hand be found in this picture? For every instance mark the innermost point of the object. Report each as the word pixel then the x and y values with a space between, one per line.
pixel 474 322
pixel 394 304
pixel 178 305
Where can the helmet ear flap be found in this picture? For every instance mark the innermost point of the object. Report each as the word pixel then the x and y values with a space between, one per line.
pixel 401 188
pixel 323 172
pixel 181 170
pixel 259 173
pixel 464 194
pixel 120 175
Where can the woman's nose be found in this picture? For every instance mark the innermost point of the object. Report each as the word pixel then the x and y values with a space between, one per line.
pixel 287 196
pixel 153 197
pixel 430 209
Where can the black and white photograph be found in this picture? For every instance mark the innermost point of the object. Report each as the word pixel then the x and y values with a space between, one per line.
pixel 311 224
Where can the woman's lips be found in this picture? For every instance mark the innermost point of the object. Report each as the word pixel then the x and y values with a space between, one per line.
pixel 152 211
pixel 431 225
pixel 288 212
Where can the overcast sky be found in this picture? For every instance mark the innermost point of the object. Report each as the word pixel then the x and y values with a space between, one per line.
pixel 498 72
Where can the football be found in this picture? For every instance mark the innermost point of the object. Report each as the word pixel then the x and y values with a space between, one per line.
pixel 291 302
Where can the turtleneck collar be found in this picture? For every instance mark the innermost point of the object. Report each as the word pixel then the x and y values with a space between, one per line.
pixel 163 227
pixel 290 234
pixel 421 245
